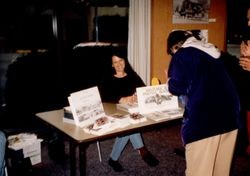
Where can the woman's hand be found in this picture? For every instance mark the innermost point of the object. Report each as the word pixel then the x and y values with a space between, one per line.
pixel 245 48
pixel 128 100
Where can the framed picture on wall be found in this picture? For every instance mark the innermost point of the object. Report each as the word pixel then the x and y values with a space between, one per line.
pixel 190 11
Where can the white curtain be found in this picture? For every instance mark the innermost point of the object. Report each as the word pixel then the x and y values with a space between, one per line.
pixel 139 37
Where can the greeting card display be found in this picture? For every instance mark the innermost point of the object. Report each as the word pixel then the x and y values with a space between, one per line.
pixel 88 112
pixel 157 103
pixel 86 106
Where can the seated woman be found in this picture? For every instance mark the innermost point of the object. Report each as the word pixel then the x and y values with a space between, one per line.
pixel 119 87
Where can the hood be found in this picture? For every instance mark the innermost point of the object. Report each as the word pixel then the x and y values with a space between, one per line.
pixel 208 48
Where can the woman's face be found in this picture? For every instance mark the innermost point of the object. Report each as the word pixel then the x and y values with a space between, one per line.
pixel 118 63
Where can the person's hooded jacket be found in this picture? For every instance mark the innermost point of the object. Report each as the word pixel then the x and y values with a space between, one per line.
pixel 212 106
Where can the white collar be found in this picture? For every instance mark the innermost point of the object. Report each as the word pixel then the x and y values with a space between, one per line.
pixel 202 45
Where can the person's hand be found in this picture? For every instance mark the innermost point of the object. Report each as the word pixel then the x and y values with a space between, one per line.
pixel 245 55
pixel 245 63
pixel 166 73
pixel 128 100
pixel 245 48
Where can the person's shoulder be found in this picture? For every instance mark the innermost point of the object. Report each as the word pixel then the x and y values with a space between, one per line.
pixel 132 74
pixel 192 49
pixel 136 78
pixel 184 53
pixel 186 50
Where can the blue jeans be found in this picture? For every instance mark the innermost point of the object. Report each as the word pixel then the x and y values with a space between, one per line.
pixel 2 152
pixel 121 142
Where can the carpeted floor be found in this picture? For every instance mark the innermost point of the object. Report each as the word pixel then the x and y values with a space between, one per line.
pixel 161 142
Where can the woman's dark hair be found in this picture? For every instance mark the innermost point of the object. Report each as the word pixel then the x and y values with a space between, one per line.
pixel 121 52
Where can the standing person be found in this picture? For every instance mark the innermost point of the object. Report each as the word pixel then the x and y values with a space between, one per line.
pixel 211 116
pixel 2 153
pixel 245 46
pixel 245 53
pixel 245 65
pixel 119 87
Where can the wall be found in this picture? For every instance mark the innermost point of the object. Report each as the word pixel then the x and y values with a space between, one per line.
pixel 162 25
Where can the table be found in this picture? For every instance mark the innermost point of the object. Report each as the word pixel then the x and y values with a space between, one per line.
pixel 78 138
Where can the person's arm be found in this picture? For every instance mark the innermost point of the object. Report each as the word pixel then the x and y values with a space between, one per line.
pixel 176 83
pixel 179 73
pixel 128 100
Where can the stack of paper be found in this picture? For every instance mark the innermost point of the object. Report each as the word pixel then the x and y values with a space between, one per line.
pixel 68 116
pixel 29 144
pixel 122 120
pixel 101 126
pixel 135 118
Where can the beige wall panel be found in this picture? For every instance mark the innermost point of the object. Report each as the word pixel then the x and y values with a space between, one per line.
pixel 162 25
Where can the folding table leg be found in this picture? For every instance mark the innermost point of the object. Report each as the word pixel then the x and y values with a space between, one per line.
pixel 99 151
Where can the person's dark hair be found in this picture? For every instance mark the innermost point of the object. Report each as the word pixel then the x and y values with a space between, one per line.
pixel 181 36
pixel 119 51
pixel 175 37
pixel 122 53
pixel 196 33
